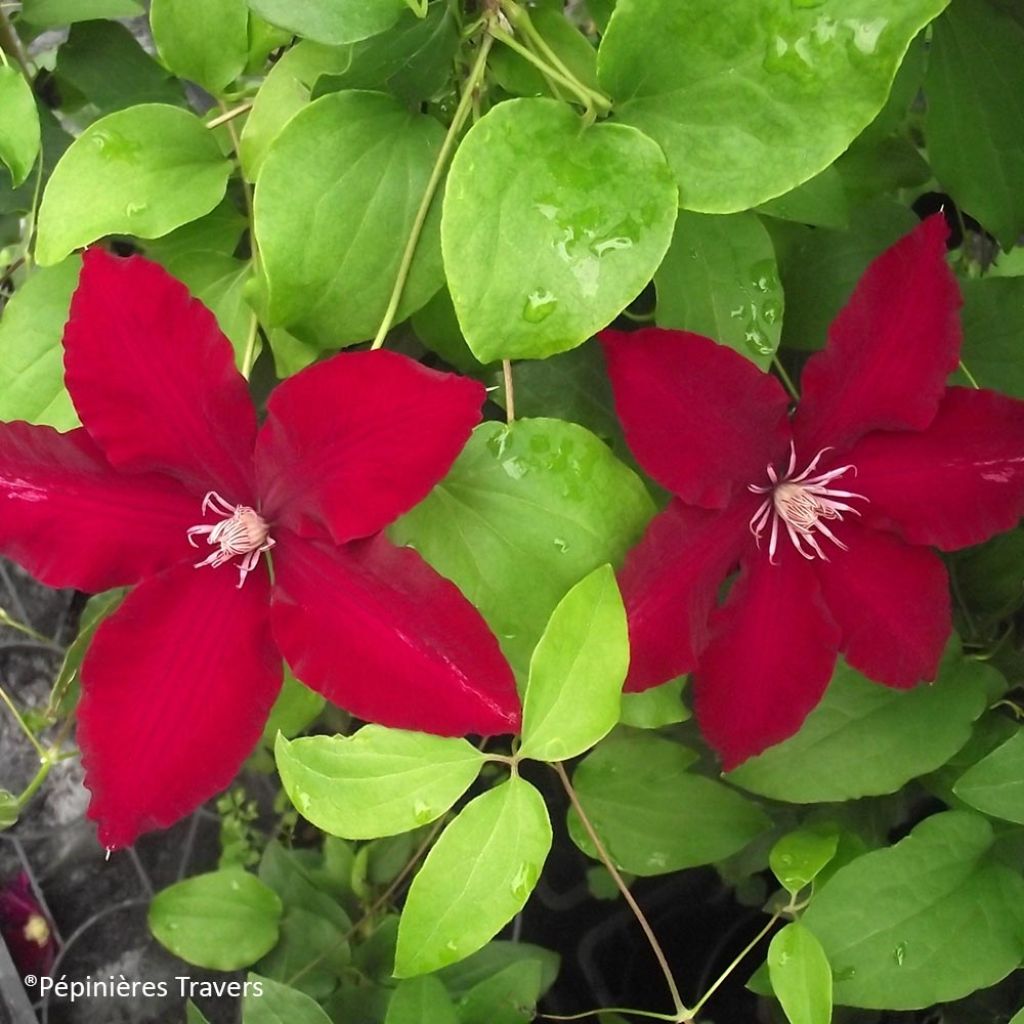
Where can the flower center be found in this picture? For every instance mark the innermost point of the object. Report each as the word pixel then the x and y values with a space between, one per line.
pixel 241 532
pixel 802 504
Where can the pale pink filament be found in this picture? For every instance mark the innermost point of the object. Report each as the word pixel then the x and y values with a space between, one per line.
pixel 801 504
pixel 240 533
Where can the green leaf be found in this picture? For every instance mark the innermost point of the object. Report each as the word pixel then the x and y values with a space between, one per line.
pixel 58 13
pixel 206 43
pixel 995 785
pixel 653 708
pixel 798 857
pixel 437 326
pixel 269 1002
pixel 218 232
pixel 508 997
pixel 331 21
pixel 412 59
pixel 820 267
pixel 652 815
pixel 222 920
pixel 865 739
pixel 477 877
pixel 748 106
pixel 974 126
pixel 719 279
pixel 516 75
pixel 539 260
pixel 421 999
pixel 54 141
pixel 1018 1017
pixel 142 171
pixel 493 960
pixel 993 322
pixel 926 921
pixel 108 66
pixel 378 782
pixel 19 129
pixel 31 353
pixel 801 976
pixel 820 201
pixel 332 238
pixel 526 511
pixel 577 671
pixel 295 708
pixel 10 808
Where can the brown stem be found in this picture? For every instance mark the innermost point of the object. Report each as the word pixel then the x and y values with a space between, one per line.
pixel 11 44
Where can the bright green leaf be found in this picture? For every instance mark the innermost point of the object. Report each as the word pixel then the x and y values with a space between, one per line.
pixel 798 857
pixel 926 921
pixel 975 124
pixel 653 708
pixel 377 782
pixel 577 671
pixel 527 511
pixel 222 920
pixel 331 21
pixel 993 322
pixel 751 104
pixel 332 238
pixel 539 260
pixel 417 1000
pixel 801 976
pixel 719 279
pixel 1018 1017
pixel 865 739
pixel 995 785
pixel 142 171
pixel 54 141
pixel 279 1004
pixel 207 43
pixel 109 67
pixel 295 709
pixel 477 877
pixel 58 13
pixel 652 815
pixel 31 353
pixel 19 128
pixel 10 808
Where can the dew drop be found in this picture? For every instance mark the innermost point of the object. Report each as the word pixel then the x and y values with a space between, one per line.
pixel 540 304
pixel 561 544
pixel 611 244
pixel 899 953
pixel 134 209
pixel 422 812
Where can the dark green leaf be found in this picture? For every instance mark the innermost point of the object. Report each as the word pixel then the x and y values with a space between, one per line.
pixel 993 321
pixel 526 511
pixel 279 1004
pixel 508 997
pixel 820 201
pixel 926 921
pixel 418 1000
pixel 378 782
pixel 658 706
pixel 332 238
pixel 865 739
pixel 719 279
pixel 975 124
pixel 493 960
pixel 57 13
pixel 437 326
pixel 142 171
pixel 222 920
pixel 477 877
pixel 750 105
pixel 995 785
pixel 652 815
pixel 295 709
pixel 540 260
pixel 798 857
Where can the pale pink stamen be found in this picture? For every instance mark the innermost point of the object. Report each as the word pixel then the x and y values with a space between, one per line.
pixel 802 504
pixel 240 533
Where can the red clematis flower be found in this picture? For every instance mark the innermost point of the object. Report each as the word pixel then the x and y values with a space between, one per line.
pixel 830 514
pixel 25 928
pixel 177 684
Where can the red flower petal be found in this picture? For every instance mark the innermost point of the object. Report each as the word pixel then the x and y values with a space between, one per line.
pixel 351 443
pixel 700 418
pixel 176 689
pixel 154 380
pixel 670 582
pixel 770 659
pixel 957 483
pixel 374 629
pixel 73 521
pixel 889 350
pixel 891 601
